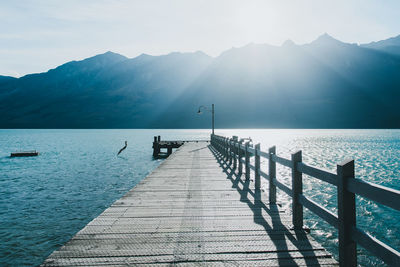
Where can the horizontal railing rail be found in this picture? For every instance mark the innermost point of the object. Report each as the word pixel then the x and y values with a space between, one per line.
pixel 238 152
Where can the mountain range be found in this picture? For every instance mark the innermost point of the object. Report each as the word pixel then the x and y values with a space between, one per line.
pixel 324 84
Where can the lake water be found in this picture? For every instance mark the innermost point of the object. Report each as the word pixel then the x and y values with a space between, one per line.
pixel 45 200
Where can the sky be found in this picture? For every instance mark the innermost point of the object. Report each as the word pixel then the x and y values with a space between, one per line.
pixel 37 35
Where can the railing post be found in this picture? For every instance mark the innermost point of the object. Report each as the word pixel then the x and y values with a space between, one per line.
pixel 346 215
pixel 226 148
pixel 247 160
pixel 235 139
pixel 155 147
pixel 230 150
pixel 272 175
pixel 257 181
pixel 297 189
pixel 240 157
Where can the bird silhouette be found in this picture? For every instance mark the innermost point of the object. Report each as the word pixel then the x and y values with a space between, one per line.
pixel 122 149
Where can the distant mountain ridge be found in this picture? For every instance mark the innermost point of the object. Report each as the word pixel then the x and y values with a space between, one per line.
pixel 323 84
pixel 391 45
pixel 6 78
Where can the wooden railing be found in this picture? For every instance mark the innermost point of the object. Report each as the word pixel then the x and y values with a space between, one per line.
pixel 238 152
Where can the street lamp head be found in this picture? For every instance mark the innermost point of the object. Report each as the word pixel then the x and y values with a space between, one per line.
pixel 211 111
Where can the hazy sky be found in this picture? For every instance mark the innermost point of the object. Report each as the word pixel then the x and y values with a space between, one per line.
pixel 36 35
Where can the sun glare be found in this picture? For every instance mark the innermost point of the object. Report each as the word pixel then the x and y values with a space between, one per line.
pixel 258 23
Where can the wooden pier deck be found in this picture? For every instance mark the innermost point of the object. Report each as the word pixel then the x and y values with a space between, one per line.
pixel 192 210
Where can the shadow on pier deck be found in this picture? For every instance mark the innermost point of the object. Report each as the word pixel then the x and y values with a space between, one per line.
pixel 194 209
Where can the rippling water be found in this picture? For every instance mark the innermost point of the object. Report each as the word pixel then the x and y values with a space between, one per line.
pixel 45 200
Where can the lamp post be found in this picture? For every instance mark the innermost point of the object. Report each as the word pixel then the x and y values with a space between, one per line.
pixel 212 113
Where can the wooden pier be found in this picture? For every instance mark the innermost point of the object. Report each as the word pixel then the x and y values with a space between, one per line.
pixel 32 153
pixel 169 145
pixel 204 206
pixel 194 209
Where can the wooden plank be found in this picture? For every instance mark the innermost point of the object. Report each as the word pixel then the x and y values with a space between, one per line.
pixel 383 251
pixel 282 161
pixel 282 187
pixel 199 248
pixel 255 259
pixel 317 173
pixel 210 256
pixel 192 210
pixel 322 212
pixel 381 194
pixel 206 245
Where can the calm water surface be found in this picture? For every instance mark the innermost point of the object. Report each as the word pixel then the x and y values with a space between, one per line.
pixel 45 200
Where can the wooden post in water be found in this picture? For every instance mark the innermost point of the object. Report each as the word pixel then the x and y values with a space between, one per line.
pixel 156 149
pixel 346 215
pixel 297 189
pixel 247 160
pixel 257 180
pixel 272 175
